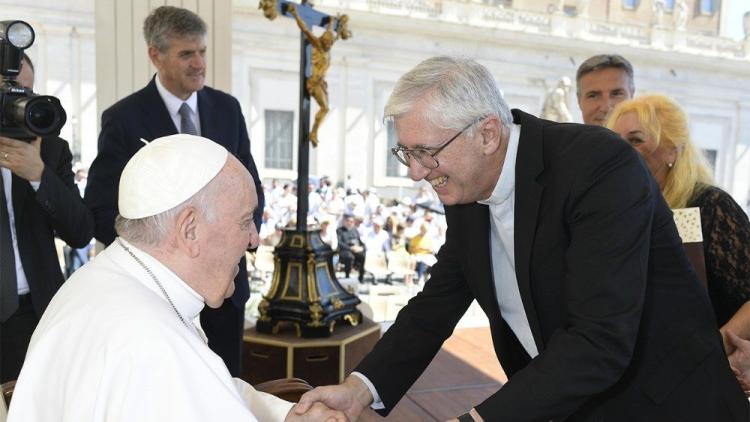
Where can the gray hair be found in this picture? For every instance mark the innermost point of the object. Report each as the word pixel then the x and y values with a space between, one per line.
pixel 154 229
pixel 605 61
pixel 458 91
pixel 167 22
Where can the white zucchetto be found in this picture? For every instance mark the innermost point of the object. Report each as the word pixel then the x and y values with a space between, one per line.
pixel 167 172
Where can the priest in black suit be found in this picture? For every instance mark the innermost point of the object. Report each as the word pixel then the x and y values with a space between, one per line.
pixel 175 101
pixel 562 236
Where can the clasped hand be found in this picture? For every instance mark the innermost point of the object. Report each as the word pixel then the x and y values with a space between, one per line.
pixel 351 397
pixel 22 158
pixel 318 412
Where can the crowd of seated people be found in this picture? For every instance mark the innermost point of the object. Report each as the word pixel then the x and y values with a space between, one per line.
pixel 355 222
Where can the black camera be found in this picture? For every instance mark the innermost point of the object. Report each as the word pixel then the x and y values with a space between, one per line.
pixel 23 114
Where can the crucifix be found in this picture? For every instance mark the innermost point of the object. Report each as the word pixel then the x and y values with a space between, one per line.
pixel 315 59
pixel 304 289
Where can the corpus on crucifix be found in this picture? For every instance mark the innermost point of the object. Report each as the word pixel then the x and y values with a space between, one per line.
pixel 316 84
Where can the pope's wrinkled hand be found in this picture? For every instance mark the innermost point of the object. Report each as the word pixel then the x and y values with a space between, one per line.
pixel 22 158
pixel 351 397
pixel 318 412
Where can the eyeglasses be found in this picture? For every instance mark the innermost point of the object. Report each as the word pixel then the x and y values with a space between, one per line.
pixel 426 156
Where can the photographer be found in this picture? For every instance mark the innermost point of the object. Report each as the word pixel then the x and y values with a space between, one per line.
pixel 39 199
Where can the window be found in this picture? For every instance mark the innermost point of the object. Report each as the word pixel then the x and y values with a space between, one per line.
pixel 392 166
pixel 668 5
pixel 279 134
pixel 710 155
pixel 707 7
pixel 630 4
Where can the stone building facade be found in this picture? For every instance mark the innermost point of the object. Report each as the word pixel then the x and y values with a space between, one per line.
pixel 528 44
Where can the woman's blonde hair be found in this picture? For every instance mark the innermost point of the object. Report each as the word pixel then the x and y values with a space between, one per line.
pixel 664 121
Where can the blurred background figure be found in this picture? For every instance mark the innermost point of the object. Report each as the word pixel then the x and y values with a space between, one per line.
pixel 422 246
pixel 555 105
pixel 351 248
pixel 377 240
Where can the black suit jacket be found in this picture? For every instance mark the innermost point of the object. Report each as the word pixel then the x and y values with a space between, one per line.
pixel 55 208
pixel 144 115
pixel 623 327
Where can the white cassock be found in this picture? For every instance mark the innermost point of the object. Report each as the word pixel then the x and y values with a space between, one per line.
pixel 110 348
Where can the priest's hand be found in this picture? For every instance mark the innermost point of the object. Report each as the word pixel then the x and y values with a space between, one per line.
pixel 351 397
pixel 318 412
pixel 22 158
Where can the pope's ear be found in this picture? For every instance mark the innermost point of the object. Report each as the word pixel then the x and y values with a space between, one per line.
pixel 187 231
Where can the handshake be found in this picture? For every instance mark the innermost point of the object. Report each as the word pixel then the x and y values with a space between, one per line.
pixel 333 403
pixel 344 402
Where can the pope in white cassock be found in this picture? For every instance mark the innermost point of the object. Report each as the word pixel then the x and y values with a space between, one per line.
pixel 118 342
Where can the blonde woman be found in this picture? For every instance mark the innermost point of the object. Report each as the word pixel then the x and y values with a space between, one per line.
pixel 657 127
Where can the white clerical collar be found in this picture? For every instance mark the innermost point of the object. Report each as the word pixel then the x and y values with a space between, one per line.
pixel 506 183
pixel 186 300
pixel 174 102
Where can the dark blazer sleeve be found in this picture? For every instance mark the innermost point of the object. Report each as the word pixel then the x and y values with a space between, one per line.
pixel 60 199
pixel 608 216
pixel 104 177
pixel 422 326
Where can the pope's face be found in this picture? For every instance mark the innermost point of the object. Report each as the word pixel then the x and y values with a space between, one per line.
pixel 229 234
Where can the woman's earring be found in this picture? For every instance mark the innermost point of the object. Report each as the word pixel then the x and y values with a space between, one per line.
pixel 670 165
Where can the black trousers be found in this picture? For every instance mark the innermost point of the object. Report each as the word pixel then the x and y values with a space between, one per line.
pixel 348 258
pixel 225 327
pixel 15 335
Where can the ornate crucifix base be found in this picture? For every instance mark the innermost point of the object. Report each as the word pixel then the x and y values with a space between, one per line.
pixel 304 290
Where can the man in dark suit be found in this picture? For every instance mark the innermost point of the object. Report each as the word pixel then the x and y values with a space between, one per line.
pixel 562 236
pixel 175 101
pixel 602 82
pixel 351 249
pixel 40 200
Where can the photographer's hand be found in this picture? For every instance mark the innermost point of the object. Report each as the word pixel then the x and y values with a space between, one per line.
pixel 22 158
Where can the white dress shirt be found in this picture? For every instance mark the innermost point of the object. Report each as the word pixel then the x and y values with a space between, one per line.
pixel 23 284
pixel 501 204
pixel 173 104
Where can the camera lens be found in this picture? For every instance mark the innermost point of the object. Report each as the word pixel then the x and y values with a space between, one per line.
pixel 41 116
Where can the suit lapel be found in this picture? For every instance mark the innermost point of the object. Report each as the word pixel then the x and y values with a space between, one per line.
pixel 529 164
pixel 208 126
pixel 155 116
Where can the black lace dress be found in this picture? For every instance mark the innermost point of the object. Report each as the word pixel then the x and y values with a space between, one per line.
pixel 726 246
